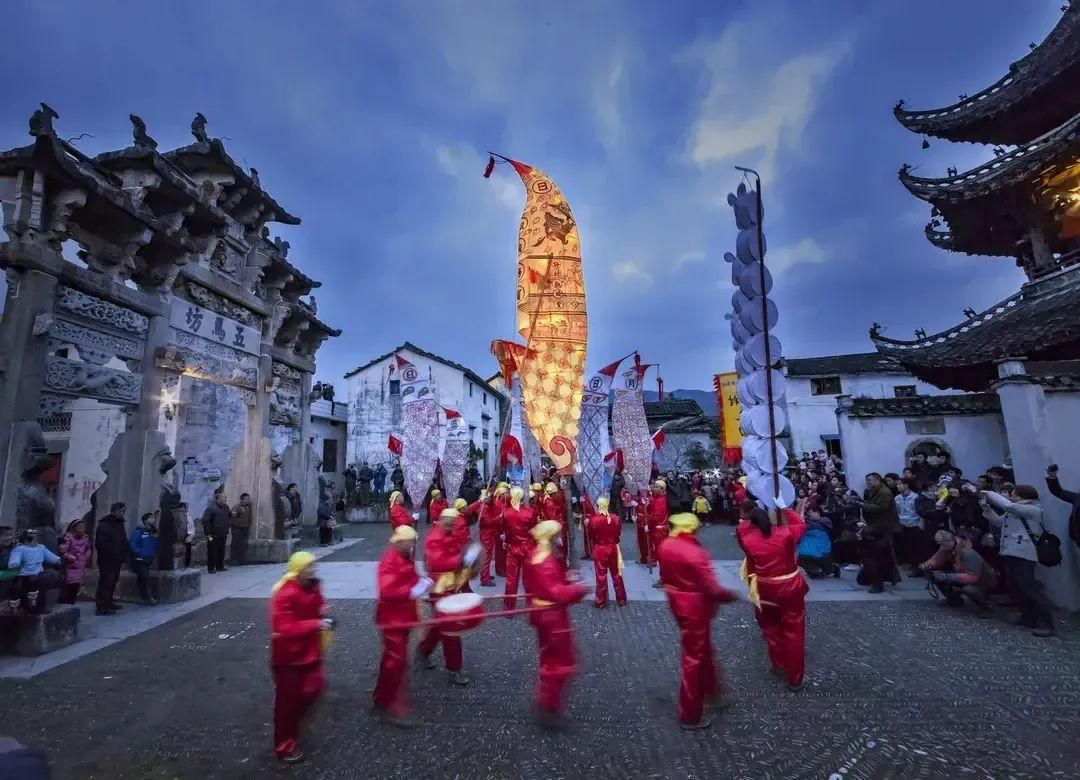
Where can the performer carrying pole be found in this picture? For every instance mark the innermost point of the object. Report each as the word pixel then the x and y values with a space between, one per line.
pixel 777 587
pixel 489 528
pixel 396 608
pixel 399 515
pixel 693 595
pixel 443 551
pixel 298 625
pixel 554 508
pixel 641 526
pixel 518 521
pixel 501 496
pixel 605 529
pixel 549 585
pixel 657 525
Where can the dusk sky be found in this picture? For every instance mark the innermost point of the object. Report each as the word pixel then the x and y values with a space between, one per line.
pixel 371 121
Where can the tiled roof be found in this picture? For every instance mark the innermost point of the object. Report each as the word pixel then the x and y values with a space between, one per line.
pixel 833 365
pixel 926 405
pixel 472 375
pixel 1038 93
pixel 698 423
pixel 672 408
pixel 1040 323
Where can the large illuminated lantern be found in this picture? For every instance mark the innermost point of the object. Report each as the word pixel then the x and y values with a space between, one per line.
pixel 551 316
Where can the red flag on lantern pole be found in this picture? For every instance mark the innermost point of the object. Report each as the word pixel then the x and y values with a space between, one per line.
pixel 394 445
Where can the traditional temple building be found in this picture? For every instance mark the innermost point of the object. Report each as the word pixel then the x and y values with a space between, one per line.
pixel 156 342
pixel 1024 204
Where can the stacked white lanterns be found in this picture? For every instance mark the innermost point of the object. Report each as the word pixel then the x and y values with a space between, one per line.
pixel 757 353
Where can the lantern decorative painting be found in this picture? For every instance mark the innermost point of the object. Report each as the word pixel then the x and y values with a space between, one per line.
pixel 419 429
pixel 595 443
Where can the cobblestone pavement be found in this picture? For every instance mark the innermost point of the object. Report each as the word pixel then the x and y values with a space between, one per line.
pixel 905 689
pixel 718 539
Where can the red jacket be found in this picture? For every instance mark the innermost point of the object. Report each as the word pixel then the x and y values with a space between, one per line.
pixel 546 581
pixel 442 551
pixel 400 516
pixel 517 524
pixel 435 508
pixel 774 555
pixel 658 513
pixel 554 508
pixel 692 588
pixel 489 516
pixel 295 612
pixel 397 576
pixel 604 530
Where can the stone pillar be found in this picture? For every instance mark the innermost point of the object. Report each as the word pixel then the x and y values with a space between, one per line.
pixel 852 465
pixel 24 343
pixel 1023 409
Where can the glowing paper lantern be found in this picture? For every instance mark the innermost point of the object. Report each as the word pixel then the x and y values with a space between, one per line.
pixel 594 444
pixel 551 316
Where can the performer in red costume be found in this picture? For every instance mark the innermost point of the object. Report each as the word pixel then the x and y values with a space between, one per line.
pixel 297 622
pixel 443 550
pixel 436 507
pixel 587 511
pixel 549 586
pixel 605 529
pixel 554 508
pixel 464 518
pixel 518 521
pixel 502 491
pixel 777 588
pixel 657 524
pixel 398 514
pixel 489 527
pixel 399 587
pixel 693 595
pixel 641 525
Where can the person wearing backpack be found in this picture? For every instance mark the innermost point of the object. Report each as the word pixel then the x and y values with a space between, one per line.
pixel 1022 530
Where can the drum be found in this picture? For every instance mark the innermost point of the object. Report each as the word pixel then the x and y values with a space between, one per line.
pixel 466 608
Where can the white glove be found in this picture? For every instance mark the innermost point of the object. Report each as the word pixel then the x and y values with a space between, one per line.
pixel 416 516
pixel 326 624
pixel 780 503
pixel 502 537
pixel 421 587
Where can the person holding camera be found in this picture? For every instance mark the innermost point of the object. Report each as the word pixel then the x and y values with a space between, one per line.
pixel 879 524
pixel 958 570
pixel 1058 492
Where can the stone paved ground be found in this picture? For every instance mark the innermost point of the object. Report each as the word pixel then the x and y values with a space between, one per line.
pixel 719 540
pixel 899 689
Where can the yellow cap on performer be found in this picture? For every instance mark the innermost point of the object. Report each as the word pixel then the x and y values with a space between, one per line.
pixel 660 484
pixel 684 523
pixel 551 488
pixel 536 487
pixel 403 533
pixel 460 503
pixel 546 529
pixel 394 496
pixel 742 480
pixel 483 494
pixel 448 514
pixel 436 493
pixel 297 561
pixel 602 505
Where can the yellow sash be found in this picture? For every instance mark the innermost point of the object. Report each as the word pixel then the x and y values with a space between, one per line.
pixel 752 581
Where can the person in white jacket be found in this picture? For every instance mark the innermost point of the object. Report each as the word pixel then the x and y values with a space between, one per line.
pixel 1021 522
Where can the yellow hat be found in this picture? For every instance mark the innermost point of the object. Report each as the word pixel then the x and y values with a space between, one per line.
pixel 403 533
pixel 546 530
pixel 516 494
pixel 394 496
pixel 742 480
pixel 436 493
pixel 536 487
pixel 504 485
pixel 448 513
pixel 602 505
pixel 551 488
pixel 483 494
pixel 660 484
pixel 684 523
pixel 460 503
pixel 297 561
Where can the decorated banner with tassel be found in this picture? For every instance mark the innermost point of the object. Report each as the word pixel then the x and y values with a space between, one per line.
pixel 512 451
pixel 594 444
pixel 629 426
pixel 551 317
pixel 455 455
pixel 419 430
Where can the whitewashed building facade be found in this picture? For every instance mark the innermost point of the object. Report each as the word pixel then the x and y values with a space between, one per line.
pixel 374 406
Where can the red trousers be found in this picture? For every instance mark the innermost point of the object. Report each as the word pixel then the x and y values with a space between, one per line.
pixel 557 664
pixel 296 689
pixel 451 647
pixel 605 559
pixel 656 536
pixel 699 679
pixel 389 693
pixel 489 539
pixel 783 628
pixel 587 545
pixel 500 557
pixel 642 542
pixel 515 563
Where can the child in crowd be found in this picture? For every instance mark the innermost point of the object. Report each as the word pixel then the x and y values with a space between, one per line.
pixel 29 557
pixel 702 507
pixel 75 549
pixel 143 553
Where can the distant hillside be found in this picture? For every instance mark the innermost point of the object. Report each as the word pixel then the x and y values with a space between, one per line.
pixel 706 398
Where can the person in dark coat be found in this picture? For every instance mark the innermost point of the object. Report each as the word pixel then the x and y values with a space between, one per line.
pixel 618 482
pixel 112 548
pixel 397 478
pixel 324 515
pixel 380 480
pixel 216 522
pixel 1057 491
pixel 296 503
pixel 880 523
pixel 350 484
pixel 363 485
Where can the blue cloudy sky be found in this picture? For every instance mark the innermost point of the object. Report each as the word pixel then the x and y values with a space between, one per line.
pixel 370 121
